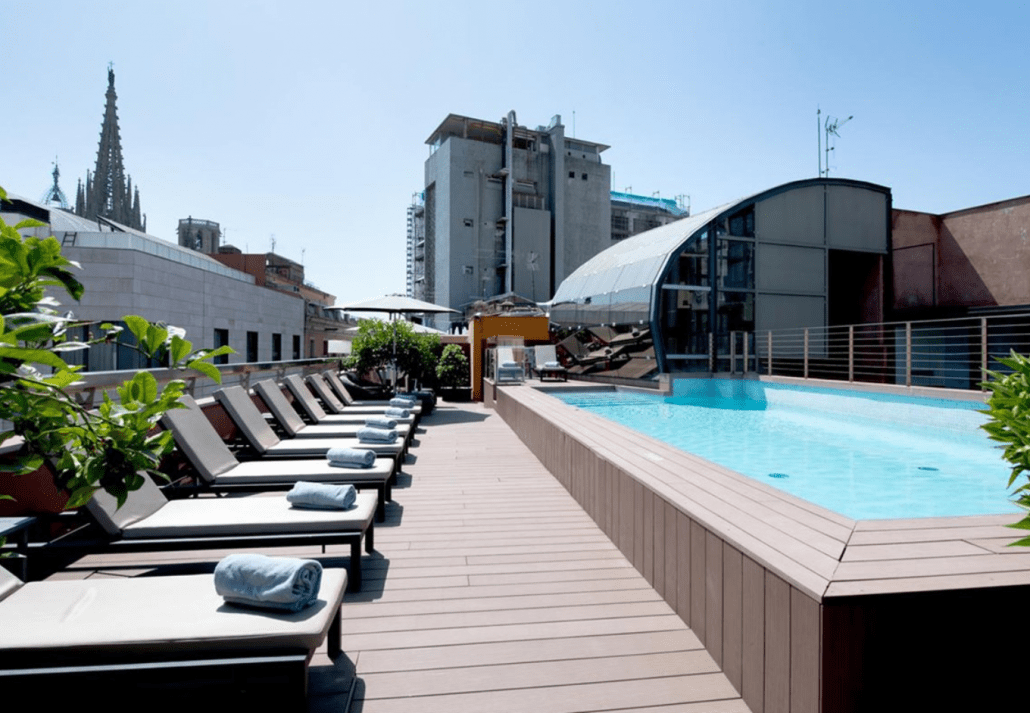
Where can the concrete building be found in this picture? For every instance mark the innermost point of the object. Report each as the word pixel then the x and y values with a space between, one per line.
pixel 416 248
pixel 127 272
pixel 632 214
pixel 509 209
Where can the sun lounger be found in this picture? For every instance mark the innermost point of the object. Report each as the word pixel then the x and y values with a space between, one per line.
pixel 547 366
pixel 507 370
pixel 321 389
pixel 219 470
pixel 309 406
pixel 149 522
pixel 343 393
pixel 66 643
pixel 262 439
pixel 291 422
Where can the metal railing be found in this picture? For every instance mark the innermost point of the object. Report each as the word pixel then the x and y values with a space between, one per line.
pixel 948 353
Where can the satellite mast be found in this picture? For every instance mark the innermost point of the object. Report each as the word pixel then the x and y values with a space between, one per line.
pixel 832 124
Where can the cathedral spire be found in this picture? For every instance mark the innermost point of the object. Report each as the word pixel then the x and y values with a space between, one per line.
pixel 108 191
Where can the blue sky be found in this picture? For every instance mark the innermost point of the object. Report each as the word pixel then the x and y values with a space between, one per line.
pixel 307 120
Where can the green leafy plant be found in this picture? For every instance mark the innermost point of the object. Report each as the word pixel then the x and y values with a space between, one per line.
pixel 111 447
pixel 453 368
pixel 1008 410
pixel 373 349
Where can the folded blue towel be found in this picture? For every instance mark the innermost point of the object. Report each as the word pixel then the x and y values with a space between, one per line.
pixel 268 582
pixel 322 496
pixel 509 364
pixel 351 457
pixel 551 364
pixel 376 435
pixel 401 402
pixel 380 422
pixel 394 412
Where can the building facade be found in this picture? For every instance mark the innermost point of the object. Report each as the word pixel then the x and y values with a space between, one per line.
pixel 632 214
pixel 416 248
pixel 804 254
pixel 509 209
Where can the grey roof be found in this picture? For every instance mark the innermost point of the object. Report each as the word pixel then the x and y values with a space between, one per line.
pixel 636 261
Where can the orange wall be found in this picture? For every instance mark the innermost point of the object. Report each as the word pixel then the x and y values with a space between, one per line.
pixel 481 329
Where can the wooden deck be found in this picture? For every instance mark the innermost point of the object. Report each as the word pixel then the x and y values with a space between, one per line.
pixel 803 609
pixel 492 590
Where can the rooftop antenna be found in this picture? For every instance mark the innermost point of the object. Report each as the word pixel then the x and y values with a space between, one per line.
pixel 302 251
pixel 573 123
pixel 831 126
pixel 273 242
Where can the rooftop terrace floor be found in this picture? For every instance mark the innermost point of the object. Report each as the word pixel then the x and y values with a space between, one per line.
pixel 491 590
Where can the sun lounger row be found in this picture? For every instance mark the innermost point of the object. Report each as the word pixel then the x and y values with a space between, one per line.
pixel 143 627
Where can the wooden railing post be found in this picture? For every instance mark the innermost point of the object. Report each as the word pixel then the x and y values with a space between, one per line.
pixel 983 347
pixel 769 355
pixel 908 353
pixel 851 352
pixel 806 352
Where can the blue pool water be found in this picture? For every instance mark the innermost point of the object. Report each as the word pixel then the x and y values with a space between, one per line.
pixel 861 455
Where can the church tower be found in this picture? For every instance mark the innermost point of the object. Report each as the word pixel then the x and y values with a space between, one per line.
pixel 108 192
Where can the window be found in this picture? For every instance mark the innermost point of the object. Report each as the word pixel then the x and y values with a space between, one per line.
pixel 277 347
pixel 252 347
pixel 468 222
pixel 325 348
pixel 222 340
pixel 572 174
pixel 311 348
pixel 296 346
pixel 584 176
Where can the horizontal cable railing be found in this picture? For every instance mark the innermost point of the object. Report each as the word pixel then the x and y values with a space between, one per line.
pixel 949 353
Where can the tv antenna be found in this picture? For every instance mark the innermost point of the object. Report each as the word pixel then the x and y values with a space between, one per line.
pixel 828 127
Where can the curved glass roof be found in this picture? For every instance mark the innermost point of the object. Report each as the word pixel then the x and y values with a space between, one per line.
pixel 634 262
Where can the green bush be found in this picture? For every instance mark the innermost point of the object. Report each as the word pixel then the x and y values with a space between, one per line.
pixel 374 347
pixel 1009 412
pixel 112 447
pixel 453 368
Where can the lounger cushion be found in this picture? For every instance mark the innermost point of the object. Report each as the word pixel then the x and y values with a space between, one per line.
pixel 198 439
pixel 210 517
pixel 140 505
pixel 277 403
pixel 241 409
pixel 256 472
pixel 180 616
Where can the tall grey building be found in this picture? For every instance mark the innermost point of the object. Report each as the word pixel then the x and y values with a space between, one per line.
pixel 509 209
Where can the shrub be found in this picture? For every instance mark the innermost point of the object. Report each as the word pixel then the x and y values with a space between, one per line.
pixel 1008 410
pixel 453 368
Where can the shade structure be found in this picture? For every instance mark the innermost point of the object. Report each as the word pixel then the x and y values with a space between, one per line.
pixel 394 305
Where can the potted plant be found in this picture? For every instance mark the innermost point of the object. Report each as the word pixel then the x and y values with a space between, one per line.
pixel 452 373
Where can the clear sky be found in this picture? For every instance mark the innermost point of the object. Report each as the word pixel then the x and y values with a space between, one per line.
pixel 307 120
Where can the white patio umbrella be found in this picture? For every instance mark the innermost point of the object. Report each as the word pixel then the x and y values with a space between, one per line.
pixel 395 305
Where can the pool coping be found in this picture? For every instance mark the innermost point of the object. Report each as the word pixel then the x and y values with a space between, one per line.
pixel 738 559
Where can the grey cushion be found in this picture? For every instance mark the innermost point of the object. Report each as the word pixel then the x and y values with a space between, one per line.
pixel 321 388
pixel 237 403
pixel 199 440
pixel 254 515
pixel 257 472
pixel 302 396
pixel 277 403
pixel 140 505
pixel 318 447
pixel 180 616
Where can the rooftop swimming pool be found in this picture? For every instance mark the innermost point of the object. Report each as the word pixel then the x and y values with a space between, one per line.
pixel 863 455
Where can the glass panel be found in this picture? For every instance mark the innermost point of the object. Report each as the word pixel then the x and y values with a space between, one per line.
pixel 736 312
pixel 736 264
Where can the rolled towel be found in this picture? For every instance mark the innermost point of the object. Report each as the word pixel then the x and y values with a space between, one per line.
pixel 551 364
pixel 376 435
pixel 322 496
pixel 509 364
pixel 399 402
pixel 351 457
pixel 394 412
pixel 380 422
pixel 256 580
